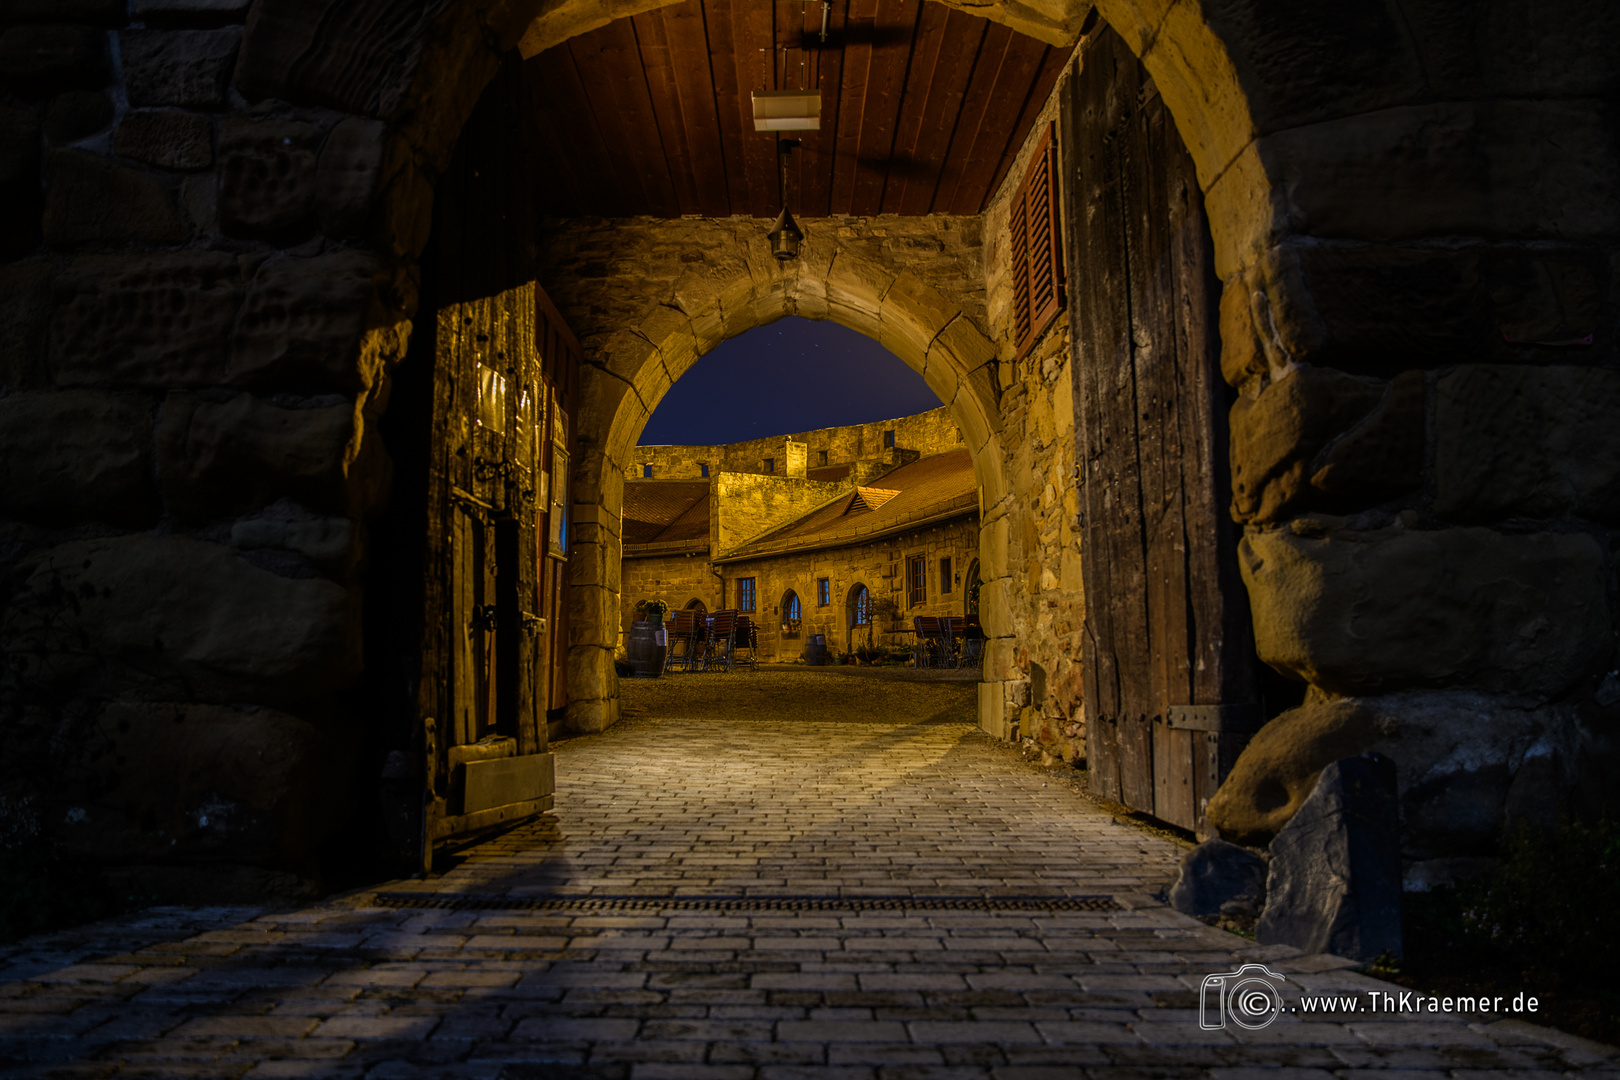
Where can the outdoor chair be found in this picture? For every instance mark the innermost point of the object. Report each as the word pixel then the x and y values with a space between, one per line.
pixel 722 632
pixel 745 643
pixel 684 629
pixel 926 629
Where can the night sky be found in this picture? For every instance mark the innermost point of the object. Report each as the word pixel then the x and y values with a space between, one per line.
pixel 793 375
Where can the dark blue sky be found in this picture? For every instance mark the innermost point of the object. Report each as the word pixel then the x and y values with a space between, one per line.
pixel 793 375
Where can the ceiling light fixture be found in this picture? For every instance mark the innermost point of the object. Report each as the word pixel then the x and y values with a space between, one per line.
pixel 785 236
pixel 787 110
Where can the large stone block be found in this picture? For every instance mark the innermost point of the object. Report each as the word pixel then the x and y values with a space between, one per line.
pixel 267 176
pixel 154 617
pixel 1334 884
pixel 97 12
pixel 1374 612
pixel 19 179
pixel 359 57
pixel 1309 62
pixel 303 320
pixel 76 455
pixel 1455 756
pixel 52 57
pixel 1382 456
pixel 1521 169
pixel 187 782
pixel 1276 437
pixel 1527 442
pixel 217 458
pixel 25 310
pixel 92 199
pixel 179 67
pixel 1218 878
pixel 330 544
pixel 75 114
pixel 1545 299
pixel 166 138
pixel 146 320
pixel 346 176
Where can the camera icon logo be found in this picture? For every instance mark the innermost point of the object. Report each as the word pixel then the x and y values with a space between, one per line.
pixel 1250 997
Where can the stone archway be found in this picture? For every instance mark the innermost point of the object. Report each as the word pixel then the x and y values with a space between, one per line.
pixel 1400 211
pixel 734 286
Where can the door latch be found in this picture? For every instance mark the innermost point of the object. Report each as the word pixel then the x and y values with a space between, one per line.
pixel 484 617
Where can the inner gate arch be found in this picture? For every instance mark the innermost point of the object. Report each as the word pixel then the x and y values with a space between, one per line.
pixel 637 364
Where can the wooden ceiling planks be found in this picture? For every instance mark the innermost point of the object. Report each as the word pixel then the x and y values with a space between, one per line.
pixel 923 109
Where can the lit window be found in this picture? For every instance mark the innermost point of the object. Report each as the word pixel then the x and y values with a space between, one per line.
pixel 745 594
pixel 823 592
pixel 917 575
pixel 861 607
pixel 790 614
pixel 646 470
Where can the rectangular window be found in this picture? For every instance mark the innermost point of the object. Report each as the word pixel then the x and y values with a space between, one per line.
pixel 646 471
pixel 770 464
pixel 823 591
pixel 888 440
pixel 703 469
pixel 917 575
pixel 821 458
pixel 944 576
pixel 745 594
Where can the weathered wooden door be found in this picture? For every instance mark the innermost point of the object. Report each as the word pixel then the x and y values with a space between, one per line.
pixel 504 376
pixel 1170 680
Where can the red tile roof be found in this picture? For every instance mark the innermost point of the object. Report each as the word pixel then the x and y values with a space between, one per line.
pixel 665 511
pixel 930 488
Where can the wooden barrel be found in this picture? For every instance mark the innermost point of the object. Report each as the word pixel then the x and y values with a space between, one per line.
pixel 815 653
pixel 646 656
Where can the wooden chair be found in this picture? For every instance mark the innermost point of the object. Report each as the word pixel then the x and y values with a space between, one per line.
pixel 683 629
pixel 721 640
pixel 926 629
pixel 745 643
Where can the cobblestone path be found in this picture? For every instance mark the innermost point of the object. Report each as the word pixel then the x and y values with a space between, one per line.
pixel 738 899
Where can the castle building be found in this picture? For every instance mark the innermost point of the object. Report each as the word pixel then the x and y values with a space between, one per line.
pixel 850 550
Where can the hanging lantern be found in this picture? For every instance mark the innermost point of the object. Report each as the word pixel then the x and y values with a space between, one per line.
pixel 785 237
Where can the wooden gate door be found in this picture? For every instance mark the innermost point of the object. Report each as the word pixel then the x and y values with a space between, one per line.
pixel 505 373
pixel 1170 686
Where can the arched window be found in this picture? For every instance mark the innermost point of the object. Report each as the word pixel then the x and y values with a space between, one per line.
pixel 970 589
pixel 790 614
pixel 697 605
pixel 860 606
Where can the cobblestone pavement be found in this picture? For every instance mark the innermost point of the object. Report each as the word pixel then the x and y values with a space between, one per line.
pixel 887 898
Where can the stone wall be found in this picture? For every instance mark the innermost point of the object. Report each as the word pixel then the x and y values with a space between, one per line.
pixel 211 219
pixel 880 566
pixel 1034 528
pixel 649 297
pixel 677 579
pixel 925 434
pixel 748 505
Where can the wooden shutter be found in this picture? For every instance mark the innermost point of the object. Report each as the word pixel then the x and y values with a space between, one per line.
pixel 1036 247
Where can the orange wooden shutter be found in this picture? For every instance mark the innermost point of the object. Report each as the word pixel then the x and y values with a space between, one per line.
pixel 1037 247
